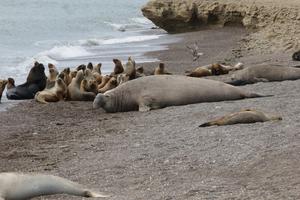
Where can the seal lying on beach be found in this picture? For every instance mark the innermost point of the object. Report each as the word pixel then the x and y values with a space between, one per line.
pixel 264 73
pixel 19 186
pixel 56 93
pixel 154 92
pixel 36 81
pixel 2 87
pixel 243 117
pixel 74 92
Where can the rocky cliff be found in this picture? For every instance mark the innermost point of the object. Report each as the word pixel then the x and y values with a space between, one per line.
pixel 275 24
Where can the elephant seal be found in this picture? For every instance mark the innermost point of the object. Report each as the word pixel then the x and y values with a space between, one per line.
pixel 20 186
pixel 74 92
pixel 91 84
pixel 154 92
pixel 296 56
pixel 161 70
pixel 242 117
pixel 111 84
pixel 118 67
pixel 36 81
pixel 2 87
pixel 264 73
pixel 56 93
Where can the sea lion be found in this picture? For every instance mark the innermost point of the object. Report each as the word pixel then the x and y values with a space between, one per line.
pixel 122 78
pixel 65 76
pixel 130 70
pixel 264 73
pixel 105 79
pixel 242 117
pixel 81 67
pixel 97 73
pixel 74 92
pixel 217 69
pixel 296 56
pixel 91 84
pixel 199 72
pixel 112 83
pixel 154 92
pixel 20 186
pixel 90 66
pixel 2 87
pixel 140 72
pixel 54 94
pixel 118 67
pixel 53 73
pixel 73 74
pixel 160 70
pixel 36 81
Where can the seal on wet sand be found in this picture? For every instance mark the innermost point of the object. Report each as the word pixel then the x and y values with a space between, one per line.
pixel 154 92
pixel 19 186
pixel 243 117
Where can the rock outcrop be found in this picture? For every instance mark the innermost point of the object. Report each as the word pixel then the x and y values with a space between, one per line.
pixel 274 23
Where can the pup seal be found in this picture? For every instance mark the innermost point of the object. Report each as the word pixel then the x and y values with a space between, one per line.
pixel 19 186
pixel 74 92
pixel 160 70
pixel 36 81
pixel 154 92
pixel 54 94
pixel 2 87
pixel 264 73
pixel 242 117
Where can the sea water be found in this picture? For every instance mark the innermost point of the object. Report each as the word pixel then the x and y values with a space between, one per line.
pixel 68 33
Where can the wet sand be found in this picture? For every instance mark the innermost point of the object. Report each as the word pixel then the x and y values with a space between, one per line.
pixel 163 154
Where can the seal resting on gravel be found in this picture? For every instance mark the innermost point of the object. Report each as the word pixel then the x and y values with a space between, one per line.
pixel 154 92
pixel 56 93
pixel 19 186
pixel 36 81
pixel 2 87
pixel 74 92
pixel 243 117
pixel 264 73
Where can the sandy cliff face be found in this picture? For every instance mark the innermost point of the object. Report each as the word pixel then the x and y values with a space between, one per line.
pixel 275 25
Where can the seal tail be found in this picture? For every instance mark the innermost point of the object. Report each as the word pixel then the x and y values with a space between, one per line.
pixel 205 124
pixel 95 194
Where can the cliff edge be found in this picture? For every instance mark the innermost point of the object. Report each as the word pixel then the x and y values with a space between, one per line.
pixel 274 24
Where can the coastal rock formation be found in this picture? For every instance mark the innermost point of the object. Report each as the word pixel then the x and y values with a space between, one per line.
pixel 275 24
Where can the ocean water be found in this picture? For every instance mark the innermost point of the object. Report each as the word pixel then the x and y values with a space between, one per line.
pixel 69 33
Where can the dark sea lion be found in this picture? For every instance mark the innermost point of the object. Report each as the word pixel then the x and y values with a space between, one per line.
pixel 2 87
pixel 36 81
pixel 161 70
pixel 118 67
pixel 90 66
pixel 296 56
pixel 217 69
pixel 57 93
pixel 154 92
pixel 105 79
pixel 242 117
pixel 19 186
pixel 74 92
pixel 264 73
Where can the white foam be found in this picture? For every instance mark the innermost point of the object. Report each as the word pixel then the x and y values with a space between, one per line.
pixel 141 20
pixel 66 52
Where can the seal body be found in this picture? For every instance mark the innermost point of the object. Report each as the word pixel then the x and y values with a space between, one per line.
pixel 242 117
pixel 263 73
pixel 18 186
pixel 36 81
pixel 161 70
pixel 153 92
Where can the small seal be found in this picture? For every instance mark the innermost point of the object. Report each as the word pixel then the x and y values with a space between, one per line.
pixel 19 186
pixel 199 72
pixel 118 67
pixel 296 56
pixel 161 70
pixel 2 87
pixel 243 117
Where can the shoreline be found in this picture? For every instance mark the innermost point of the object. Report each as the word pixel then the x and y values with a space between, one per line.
pixel 163 154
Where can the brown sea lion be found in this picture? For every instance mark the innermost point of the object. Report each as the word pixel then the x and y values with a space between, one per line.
pixel 2 87
pixel 105 79
pixel 20 186
pixel 53 73
pixel 36 81
pixel 130 70
pixel 160 70
pixel 73 74
pixel 139 72
pixel 199 72
pixel 54 94
pixel 118 67
pixel 74 92
pixel 81 67
pixel 217 69
pixel 264 73
pixel 65 76
pixel 242 117
pixel 112 83
pixel 154 92
pixel 90 66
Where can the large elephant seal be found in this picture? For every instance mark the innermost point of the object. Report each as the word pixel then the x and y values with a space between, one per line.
pixel 2 87
pixel 264 73
pixel 36 81
pixel 154 92
pixel 74 92
pixel 242 117
pixel 161 70
pixel 19 186
pixel 57 93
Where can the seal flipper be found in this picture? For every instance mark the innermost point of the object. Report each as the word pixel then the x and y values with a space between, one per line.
pixel 144 108
pixel 94 194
